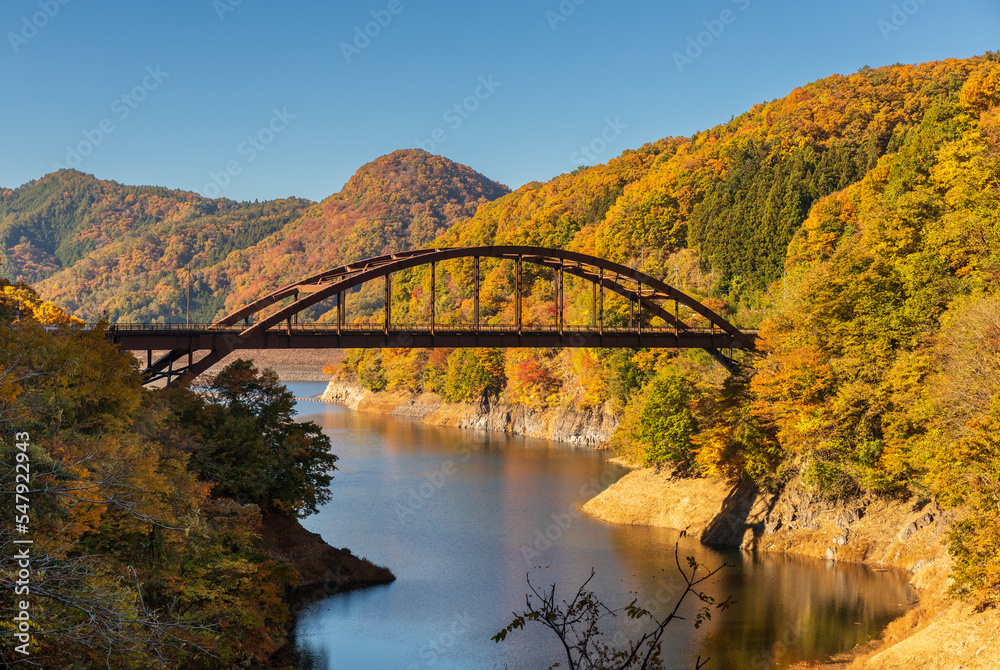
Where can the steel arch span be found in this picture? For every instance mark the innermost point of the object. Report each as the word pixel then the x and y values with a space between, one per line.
pixel 256 327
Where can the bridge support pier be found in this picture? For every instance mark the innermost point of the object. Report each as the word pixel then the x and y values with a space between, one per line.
pixel 340 312
pixel 433 296
pixel 475 289
pixel 518 279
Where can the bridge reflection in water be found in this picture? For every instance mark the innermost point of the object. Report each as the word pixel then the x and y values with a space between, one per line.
pixel 270 323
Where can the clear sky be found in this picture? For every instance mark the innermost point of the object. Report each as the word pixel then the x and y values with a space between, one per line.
pixel 259 99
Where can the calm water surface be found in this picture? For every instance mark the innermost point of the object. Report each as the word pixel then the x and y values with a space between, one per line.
pixel 462 517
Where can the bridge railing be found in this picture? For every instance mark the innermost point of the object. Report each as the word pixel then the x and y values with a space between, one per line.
pixel 173 327
pixel 376 327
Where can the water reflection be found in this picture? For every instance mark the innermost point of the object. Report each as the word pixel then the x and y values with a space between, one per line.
pixel 793 609
pixel 462 517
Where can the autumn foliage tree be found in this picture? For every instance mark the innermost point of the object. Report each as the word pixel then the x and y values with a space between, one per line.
pixel 254 450
pixel 136 561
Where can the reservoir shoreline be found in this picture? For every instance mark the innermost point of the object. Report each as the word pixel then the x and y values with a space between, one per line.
pixel 587 428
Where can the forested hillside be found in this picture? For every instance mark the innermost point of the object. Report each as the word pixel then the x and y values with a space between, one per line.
pixel 397 202
pixel 855 221
pixel 99 248
pixel 883 364
pixel 712 214
pixel 144 512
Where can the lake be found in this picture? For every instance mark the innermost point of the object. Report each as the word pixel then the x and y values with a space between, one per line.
pixel 462 518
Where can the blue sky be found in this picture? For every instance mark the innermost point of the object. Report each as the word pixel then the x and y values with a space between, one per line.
pixel 258 99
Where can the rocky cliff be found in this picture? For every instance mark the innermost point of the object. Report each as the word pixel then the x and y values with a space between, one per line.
pixel 581 427
pixel 901 533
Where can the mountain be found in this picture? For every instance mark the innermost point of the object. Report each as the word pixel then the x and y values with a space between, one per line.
pixel 856 221
pixel 99 248
pixel 714 212
pixel 404 200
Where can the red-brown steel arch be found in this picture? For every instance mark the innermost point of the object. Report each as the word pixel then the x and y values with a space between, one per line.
pixel 632 284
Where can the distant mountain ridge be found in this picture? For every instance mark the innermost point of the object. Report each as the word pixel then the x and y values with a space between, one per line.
pixel 404 200
pixel 100 248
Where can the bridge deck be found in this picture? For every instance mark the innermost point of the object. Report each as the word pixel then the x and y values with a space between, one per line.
pixel 182 337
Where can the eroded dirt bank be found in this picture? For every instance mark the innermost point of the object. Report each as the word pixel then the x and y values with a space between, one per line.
pixel 587 428
pixel 910 534
pixel 898 533
pixel 322 570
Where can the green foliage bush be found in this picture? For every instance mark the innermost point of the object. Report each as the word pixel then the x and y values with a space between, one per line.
pixel 666 422
pixel 371 372
pixel 255 451
pixel 474 374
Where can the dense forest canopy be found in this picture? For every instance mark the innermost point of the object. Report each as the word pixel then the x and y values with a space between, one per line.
pixel 100 248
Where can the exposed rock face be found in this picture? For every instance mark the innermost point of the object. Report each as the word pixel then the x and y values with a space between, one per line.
pixel 958 637
pixel 350 395
pixel 650 497
pixel 582 427
pixel 901 533
pixel 906 534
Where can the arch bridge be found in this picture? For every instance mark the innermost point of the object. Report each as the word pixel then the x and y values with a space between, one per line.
pixel 269 324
